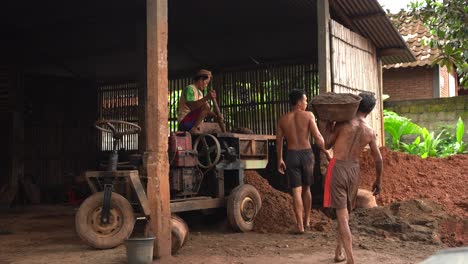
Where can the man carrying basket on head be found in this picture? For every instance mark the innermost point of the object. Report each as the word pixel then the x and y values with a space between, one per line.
pixel 348 139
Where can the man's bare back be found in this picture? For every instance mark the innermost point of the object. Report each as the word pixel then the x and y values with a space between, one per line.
pixel 351 139
pixel 297 127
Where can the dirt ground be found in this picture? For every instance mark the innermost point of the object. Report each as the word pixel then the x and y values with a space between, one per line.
pixel 45 234
pixel 422 209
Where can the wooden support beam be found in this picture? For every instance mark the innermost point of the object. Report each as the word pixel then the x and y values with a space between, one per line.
pixel 334 5
pixel 380 80
pixel 390 52
pixel 156 116
pixel 323 24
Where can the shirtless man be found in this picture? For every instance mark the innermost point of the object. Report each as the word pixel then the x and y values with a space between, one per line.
pixel 348 140
pixel 297 126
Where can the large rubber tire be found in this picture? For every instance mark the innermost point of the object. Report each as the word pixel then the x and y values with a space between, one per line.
pixel 179 233
pixel 243 205
pixel 103 236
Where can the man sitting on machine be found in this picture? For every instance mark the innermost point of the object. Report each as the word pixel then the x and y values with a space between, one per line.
pixel 193 104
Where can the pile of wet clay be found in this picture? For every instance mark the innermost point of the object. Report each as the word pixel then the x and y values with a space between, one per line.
pixel 439 180
pixel 335 98
pixel 411 220
pixel 335 107
pixel 277 214
pixel 442 180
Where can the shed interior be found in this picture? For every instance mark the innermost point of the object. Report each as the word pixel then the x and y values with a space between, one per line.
pixel 63 62
pixel 66 64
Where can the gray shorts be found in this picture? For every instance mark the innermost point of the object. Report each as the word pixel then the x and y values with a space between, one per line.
pixel 300 167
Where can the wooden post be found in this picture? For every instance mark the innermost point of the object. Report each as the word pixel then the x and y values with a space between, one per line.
pixel 380 80
pixel 156 118
pixel 323 24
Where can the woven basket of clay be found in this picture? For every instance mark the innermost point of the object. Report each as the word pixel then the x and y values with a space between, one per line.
pixel 335 107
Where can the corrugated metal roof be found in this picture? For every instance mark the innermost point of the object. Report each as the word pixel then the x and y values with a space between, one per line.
pixel 413 31
pixel 370 20
pixel 210 33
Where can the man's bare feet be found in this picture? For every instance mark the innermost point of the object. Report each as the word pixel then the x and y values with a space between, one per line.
pixel 195 130
pixel 296 232
pixel 339 255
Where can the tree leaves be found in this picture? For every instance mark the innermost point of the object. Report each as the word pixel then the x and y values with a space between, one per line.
pixel 447 22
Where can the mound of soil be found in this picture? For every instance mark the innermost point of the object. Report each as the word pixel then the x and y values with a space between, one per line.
pixel 242 130
pixel 454 232
pixel 414 191
pixel 335 98
pixel 443 180
pixel 277 213
pixel 415 220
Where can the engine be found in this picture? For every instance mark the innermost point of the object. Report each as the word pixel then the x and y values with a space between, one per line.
pixel 184 177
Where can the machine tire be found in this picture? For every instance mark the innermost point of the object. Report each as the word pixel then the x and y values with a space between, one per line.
pixel 90 229
pixel 179 233
pixel 243 204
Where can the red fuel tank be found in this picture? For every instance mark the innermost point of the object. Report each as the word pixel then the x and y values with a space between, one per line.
pixel 180 141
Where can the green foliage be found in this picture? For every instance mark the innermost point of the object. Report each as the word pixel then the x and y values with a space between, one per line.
pixel 426 144
pixel 426 148
pixel 397 126
pixel 447 21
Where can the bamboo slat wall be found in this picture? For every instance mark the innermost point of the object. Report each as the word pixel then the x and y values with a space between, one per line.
pixel 355 69
pixel 118 102
pixel 6 121
pixel 5 84
pixel 59 137
pixel 253 98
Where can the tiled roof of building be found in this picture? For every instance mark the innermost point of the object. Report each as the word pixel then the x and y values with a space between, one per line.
pixel 413 32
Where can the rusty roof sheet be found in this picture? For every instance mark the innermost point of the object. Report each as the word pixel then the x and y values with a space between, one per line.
pixel 370 20
pixel 414 32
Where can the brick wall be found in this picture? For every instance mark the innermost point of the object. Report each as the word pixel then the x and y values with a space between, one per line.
pixel 433 113
pixel 408 83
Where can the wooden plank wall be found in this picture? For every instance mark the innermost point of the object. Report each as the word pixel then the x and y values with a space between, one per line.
pixel 60 138
pixel 355 69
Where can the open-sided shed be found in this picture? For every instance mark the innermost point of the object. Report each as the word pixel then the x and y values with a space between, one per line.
pixel 66 64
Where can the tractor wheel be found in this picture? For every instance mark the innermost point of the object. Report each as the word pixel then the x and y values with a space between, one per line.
pixel 243 204
pixel 102 236
pixel 179 233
